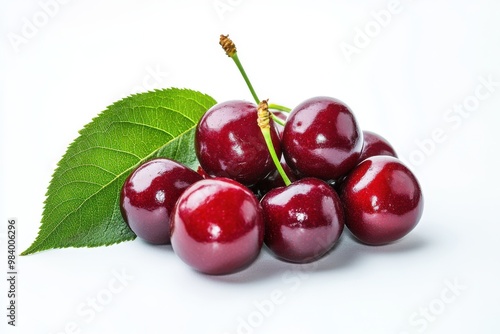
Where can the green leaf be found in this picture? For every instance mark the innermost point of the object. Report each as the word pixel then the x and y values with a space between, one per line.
pixel 82 207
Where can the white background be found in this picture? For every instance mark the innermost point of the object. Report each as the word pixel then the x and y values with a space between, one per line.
pixel 426 59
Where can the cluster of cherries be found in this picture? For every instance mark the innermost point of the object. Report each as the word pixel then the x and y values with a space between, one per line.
pixel 292 187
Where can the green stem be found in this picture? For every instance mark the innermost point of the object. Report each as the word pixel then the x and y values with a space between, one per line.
pixel 236 60
pixel 267 136
pixel 263 118
pixel 278 107
pixel 277 119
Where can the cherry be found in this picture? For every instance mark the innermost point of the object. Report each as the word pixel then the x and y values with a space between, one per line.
pixel 303 220
pixel 228 143
pixel 382 200
pixel 149 194
pixel 374 144
pixel 322 139
pixel 217 226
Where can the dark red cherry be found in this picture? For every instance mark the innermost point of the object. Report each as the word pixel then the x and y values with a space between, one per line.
pixel 149 194
pixel 322 139
pixel 217 226
pixel 303 221
pixel 229 143
pixel 382 200
pixel 374 144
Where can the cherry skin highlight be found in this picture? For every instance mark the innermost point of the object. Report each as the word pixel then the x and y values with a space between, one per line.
pixel 229 143
pixel 374 144
pixel 322 139
pixel 149 194
pixel 217 226
pixel 382 200
pixel 303 220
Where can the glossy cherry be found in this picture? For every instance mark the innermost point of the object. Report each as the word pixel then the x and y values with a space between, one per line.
pixel 303 220
pixel 322 138
pixel 149 194
pixel 382 200
pixel 229 143
pixel 217 226
pixel 374 144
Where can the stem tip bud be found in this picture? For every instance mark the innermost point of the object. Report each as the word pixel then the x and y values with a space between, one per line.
pixel 228 45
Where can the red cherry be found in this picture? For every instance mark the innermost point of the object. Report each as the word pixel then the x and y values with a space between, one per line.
pixel 322 139
pixel 303 220
pixel 217 226
pixel 382 200
pixel 149 194
pixel 374 144
pixel 229 143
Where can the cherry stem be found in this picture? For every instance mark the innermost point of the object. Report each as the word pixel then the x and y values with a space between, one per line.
pixel 236 60
pixel 263 120
pixel 278 120
pixel 278 107
pixel 230 49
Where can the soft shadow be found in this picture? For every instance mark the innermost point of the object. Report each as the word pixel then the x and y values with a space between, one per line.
pixel 265 267
pixel 344 254
pixel 165 247
pixel 408 244
pixel 161 248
